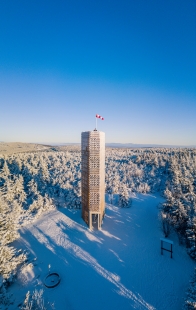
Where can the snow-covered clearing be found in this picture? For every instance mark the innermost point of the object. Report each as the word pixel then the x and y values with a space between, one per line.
pixel 119 267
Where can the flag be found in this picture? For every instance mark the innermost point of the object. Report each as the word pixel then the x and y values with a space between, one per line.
pixel 99 116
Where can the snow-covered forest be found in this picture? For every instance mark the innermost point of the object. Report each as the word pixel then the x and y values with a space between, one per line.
pixel 31 183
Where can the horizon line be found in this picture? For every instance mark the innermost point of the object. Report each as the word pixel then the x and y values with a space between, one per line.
pixel 109 144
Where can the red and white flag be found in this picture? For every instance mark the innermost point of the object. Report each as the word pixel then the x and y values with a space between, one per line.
pixel 99 116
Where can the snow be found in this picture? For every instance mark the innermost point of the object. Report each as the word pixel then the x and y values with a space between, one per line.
pixel 166 240
pixel 119 267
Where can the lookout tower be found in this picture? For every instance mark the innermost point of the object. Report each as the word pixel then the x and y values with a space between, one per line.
pixel 93 177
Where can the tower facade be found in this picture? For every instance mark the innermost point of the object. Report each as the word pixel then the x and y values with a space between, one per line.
pixel 93 177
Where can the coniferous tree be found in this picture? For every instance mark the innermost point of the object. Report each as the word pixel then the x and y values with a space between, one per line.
pixel 124 199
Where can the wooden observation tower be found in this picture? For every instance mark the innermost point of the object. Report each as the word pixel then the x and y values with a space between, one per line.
pixel 93 177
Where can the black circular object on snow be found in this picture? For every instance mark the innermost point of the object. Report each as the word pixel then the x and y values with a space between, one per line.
pixel 52 280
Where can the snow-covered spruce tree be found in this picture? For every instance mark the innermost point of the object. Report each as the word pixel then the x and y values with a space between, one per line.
pixel 73 199
pixel 9 257
pixel 190 301
pixel 124 200
pixel 191 237
pixel 32 189
pixel 8 228
pixel 5 172
pixel 165 223
pixel 143 188
pixel 5 297
pixel 77 191
pixel 111 198
pixel 180 194
pixel 20 194
pixel 7 190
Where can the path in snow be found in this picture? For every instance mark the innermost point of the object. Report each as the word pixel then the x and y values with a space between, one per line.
pixel 119 267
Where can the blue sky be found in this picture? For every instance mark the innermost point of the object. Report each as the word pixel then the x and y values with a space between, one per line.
pixel 134 62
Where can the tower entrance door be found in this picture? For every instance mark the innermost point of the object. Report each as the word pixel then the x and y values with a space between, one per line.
pixel 94 220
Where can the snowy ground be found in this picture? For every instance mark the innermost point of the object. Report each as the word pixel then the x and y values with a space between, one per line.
pixel 119 267
pixel 19 147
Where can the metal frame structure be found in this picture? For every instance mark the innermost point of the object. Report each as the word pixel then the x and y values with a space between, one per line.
pixel 168 242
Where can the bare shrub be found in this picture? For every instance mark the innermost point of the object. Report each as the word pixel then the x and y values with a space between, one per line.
pixel 35 301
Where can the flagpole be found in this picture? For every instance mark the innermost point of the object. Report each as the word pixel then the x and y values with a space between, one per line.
pixel 96 123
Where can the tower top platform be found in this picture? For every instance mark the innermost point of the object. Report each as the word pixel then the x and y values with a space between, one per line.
pixel 95 130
